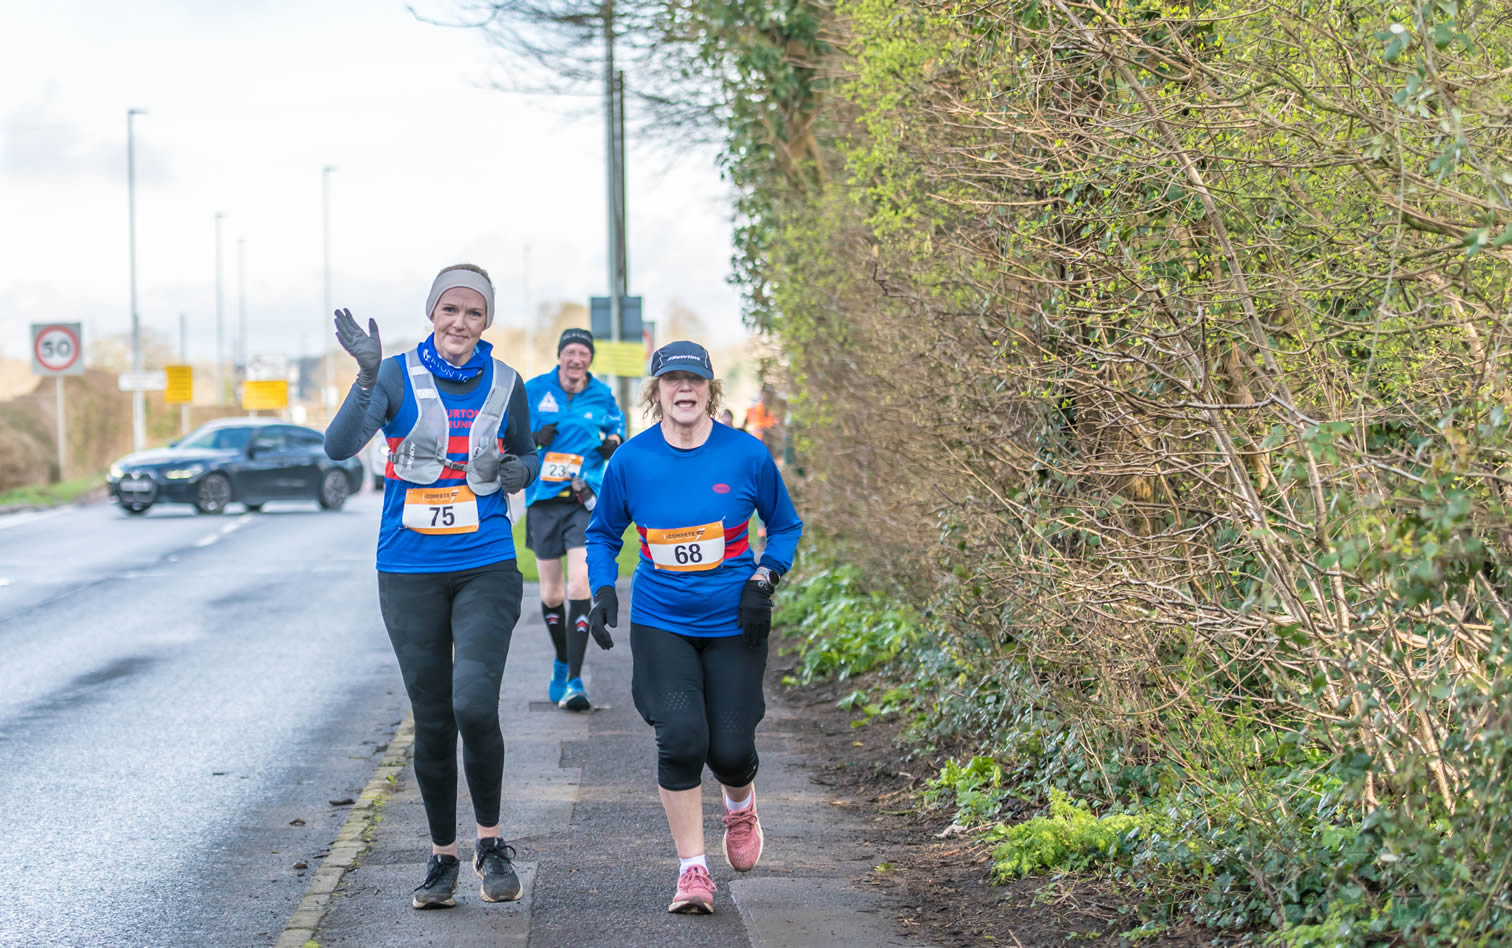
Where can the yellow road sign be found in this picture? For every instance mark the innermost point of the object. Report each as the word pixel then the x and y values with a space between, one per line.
pixel 180 387
pixel 265 395
pixel 619 358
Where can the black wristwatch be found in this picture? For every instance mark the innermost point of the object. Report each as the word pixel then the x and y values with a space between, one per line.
pixel 767 578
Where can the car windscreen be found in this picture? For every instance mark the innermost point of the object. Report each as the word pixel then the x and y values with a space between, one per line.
pixel 218 439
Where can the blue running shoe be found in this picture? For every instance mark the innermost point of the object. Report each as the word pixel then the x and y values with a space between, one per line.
pixel 576 697
pixel 558 682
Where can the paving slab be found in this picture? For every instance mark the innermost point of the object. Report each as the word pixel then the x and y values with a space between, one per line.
pixel 596 858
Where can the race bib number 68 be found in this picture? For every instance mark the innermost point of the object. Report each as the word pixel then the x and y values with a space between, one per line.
pixel 687 549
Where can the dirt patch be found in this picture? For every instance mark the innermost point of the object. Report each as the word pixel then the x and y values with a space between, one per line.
pixel 943 882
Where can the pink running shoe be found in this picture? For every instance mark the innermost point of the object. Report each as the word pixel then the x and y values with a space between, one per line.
pixel 742 838
pixel 695 893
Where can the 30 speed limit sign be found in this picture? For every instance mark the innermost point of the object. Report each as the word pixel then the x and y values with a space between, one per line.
pixel 57 349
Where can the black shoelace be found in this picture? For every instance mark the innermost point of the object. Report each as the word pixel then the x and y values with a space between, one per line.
pixel 503 851
pixel 435 871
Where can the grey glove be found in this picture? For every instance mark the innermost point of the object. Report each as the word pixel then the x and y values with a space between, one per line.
pixel 365 347
pixel 513 475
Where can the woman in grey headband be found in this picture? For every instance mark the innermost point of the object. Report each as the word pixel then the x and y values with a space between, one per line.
pixel 458 430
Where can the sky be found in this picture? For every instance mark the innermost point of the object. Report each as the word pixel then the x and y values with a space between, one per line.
pixel 245 104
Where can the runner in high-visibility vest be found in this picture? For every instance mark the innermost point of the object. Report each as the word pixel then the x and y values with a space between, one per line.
pixel 458 430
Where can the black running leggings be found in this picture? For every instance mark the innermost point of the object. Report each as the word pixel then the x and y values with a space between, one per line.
pixel 704 697
pixel 451 632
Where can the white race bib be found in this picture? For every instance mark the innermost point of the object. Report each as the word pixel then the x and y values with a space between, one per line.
pixel 560 467
pixel 687 549
pixel 441 509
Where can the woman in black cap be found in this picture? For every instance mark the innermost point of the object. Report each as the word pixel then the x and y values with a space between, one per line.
pixel 458 430
pixel 701 606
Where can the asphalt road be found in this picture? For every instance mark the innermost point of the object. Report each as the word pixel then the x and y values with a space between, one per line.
pixel 181 698
pixel 189 704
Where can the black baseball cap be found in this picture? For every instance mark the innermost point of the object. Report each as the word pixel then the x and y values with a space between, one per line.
pixel 682 356
pixel 580 336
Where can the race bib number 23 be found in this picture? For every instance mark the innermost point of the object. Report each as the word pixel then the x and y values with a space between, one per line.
pixel 557 466
pixel 441 509
pixel 687 549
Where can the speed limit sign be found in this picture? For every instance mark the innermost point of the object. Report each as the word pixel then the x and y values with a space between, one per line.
pixel 57 349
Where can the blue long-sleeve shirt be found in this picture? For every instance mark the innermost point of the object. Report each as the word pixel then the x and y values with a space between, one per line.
pixel 686 504
pixel 583 421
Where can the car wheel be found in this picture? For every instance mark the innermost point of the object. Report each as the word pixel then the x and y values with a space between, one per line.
pixel 136 510
pixel 333 490
pixel 254 508
pixel 213 495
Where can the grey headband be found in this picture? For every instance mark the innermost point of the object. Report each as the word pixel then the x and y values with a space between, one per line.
pixel 463 278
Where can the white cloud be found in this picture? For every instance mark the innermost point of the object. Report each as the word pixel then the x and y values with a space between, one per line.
pixel 246 104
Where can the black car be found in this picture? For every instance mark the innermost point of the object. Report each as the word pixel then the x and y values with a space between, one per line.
pixel 245 460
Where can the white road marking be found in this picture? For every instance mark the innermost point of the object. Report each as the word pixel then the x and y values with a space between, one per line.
pixel 236 524
pixel 31 516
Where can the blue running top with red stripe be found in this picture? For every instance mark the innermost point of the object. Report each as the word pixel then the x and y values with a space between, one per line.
pixel 663 489
pixel 391 405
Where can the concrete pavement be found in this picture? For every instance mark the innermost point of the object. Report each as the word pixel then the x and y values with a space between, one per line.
pixel 593 850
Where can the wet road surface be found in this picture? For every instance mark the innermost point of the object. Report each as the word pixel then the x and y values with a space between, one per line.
pixel 181 698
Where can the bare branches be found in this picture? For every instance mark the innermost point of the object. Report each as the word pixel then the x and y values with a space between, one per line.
pixel 1185 337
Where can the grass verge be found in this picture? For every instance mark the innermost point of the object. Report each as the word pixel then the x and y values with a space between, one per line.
pixel 50 495
pixel 526 560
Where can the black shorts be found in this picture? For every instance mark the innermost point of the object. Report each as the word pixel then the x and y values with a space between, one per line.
pixel 556 525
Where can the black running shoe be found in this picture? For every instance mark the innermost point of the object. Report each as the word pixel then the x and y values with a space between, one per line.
pixel 492 863
pixel 439 885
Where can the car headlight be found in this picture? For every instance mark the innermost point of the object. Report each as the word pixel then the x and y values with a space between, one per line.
pixel 184 473
pixel 116 471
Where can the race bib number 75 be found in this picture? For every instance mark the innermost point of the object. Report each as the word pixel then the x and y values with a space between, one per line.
pixel 687 549
pixel 441 509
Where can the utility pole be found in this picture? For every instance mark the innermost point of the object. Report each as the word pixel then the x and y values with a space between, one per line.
pixel 614 145
pixel 138 397
pixel 220 320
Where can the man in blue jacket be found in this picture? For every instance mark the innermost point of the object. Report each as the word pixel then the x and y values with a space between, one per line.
pixel 577 425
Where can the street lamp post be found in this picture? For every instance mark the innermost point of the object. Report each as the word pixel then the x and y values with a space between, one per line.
pixel 327 394
pixel 184 360
pixel 241 305
pixel 527 355
pixel 138 398
pixel 220 319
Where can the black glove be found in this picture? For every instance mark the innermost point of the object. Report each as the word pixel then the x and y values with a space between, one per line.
pixel 605 611
pixel 513 475
pixel 365 347
pixel 545 436
pixel 756 612
pixel 606 447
